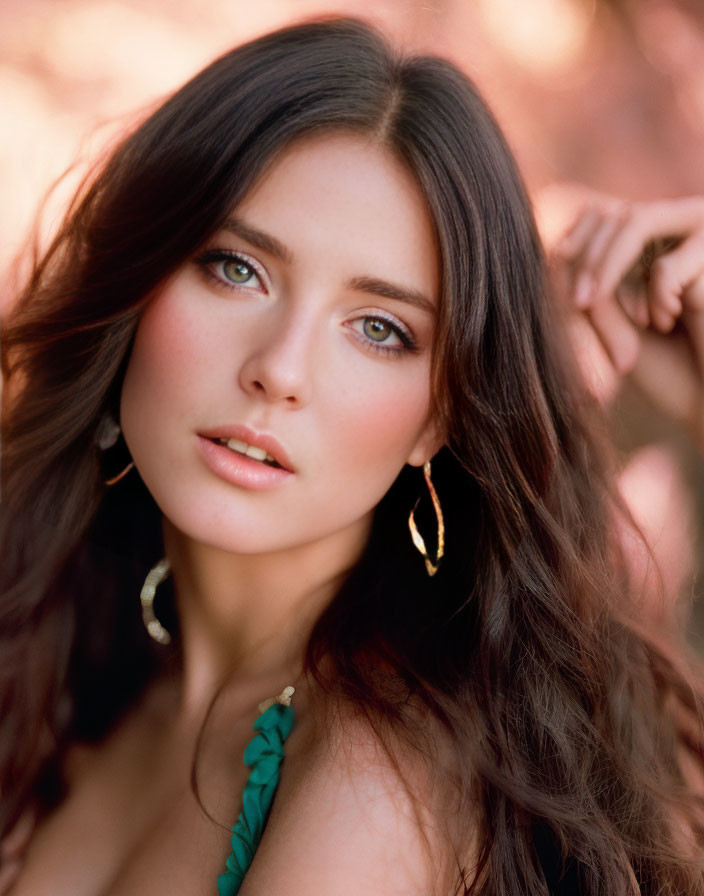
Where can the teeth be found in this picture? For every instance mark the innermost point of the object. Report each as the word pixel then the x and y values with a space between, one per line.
pixel 249 450
pixel 236 445
pixel 256 453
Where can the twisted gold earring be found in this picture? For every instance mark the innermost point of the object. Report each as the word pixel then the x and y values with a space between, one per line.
pixel 430 565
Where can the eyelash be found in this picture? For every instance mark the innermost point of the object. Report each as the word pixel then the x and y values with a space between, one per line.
pixel 219 256
pixel 212 257
pixel 408 343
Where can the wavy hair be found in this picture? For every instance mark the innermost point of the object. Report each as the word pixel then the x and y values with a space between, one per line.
pixel 565 719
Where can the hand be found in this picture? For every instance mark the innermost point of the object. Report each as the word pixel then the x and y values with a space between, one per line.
pixel 637 272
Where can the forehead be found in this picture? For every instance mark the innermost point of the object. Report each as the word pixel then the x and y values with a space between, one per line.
pixel 350 195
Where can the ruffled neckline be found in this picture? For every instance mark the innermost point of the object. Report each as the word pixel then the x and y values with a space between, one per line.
pixel 264 755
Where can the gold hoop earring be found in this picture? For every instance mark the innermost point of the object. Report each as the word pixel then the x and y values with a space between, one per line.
pixel 430 565
pixel 155 577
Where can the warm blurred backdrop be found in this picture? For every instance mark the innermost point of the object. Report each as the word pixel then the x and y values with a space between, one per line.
pixel 603 94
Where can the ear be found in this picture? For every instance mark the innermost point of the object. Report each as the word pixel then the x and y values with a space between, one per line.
pixel 430 441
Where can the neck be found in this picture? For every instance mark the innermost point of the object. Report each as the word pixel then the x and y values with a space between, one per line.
pixel 250 616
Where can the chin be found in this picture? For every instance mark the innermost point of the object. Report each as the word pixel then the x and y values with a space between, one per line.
pixel 232 537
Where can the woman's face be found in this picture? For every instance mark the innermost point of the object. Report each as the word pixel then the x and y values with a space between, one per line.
pixel 302 331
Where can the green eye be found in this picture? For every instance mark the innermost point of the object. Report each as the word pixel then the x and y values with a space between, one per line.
pixel 238 271
pixel 383 336
pixel 231 270
pixel 376 330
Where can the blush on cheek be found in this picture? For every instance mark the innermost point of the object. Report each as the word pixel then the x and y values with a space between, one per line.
pixel 375 424
pixel 167 370
pixel 170 335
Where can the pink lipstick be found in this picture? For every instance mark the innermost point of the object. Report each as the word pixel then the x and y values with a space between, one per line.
pixel 244 457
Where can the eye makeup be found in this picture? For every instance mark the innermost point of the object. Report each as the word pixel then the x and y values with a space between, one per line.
pixel 216 262
pixel 235 270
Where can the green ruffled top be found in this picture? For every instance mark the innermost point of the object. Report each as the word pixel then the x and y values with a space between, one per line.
pixel 264 754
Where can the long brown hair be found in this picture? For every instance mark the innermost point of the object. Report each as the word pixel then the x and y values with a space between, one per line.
pixel 521 648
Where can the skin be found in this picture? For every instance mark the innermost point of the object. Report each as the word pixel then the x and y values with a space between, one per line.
pixel 294 362
pixel 645 321
pixel 651 327
pixel 287 352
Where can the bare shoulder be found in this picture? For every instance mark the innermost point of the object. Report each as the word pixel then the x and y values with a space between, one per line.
pixel 351 817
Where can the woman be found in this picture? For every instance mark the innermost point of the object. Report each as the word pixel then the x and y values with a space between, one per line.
pixel 320 255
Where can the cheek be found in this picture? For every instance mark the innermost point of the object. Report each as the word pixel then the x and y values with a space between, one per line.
pixel 164 377
pixel 379 422
pixel 168 359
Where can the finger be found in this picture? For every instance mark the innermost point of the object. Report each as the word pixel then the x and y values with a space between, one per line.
pixel 677 216
pixel 572 243
pixel 575 250
pixel 599 240
pixel 628 240
pixel 662 320
pixel 617 333
pixel 598 244
pixel 597 371
pixel 560 280
pixel 640 224
pixel 675 281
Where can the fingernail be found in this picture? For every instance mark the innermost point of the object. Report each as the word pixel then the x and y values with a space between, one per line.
pixel 583 290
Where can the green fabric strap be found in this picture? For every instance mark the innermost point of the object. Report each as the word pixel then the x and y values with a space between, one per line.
pixel 263 755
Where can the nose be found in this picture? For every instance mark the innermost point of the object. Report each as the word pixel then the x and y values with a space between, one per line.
pixel 279 361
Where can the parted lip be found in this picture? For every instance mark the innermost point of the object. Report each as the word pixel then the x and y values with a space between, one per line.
pixel 258 439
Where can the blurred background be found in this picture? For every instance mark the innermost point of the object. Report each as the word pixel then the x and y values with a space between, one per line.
pixel 604 95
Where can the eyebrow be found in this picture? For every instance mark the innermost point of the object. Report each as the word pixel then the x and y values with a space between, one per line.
pixel 371 285
pixel 392 291
pixel 258 239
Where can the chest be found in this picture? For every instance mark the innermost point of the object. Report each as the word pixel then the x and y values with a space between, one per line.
pixel 132 824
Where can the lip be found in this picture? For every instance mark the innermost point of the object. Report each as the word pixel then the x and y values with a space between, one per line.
pixel 259 440
pixel 238 469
